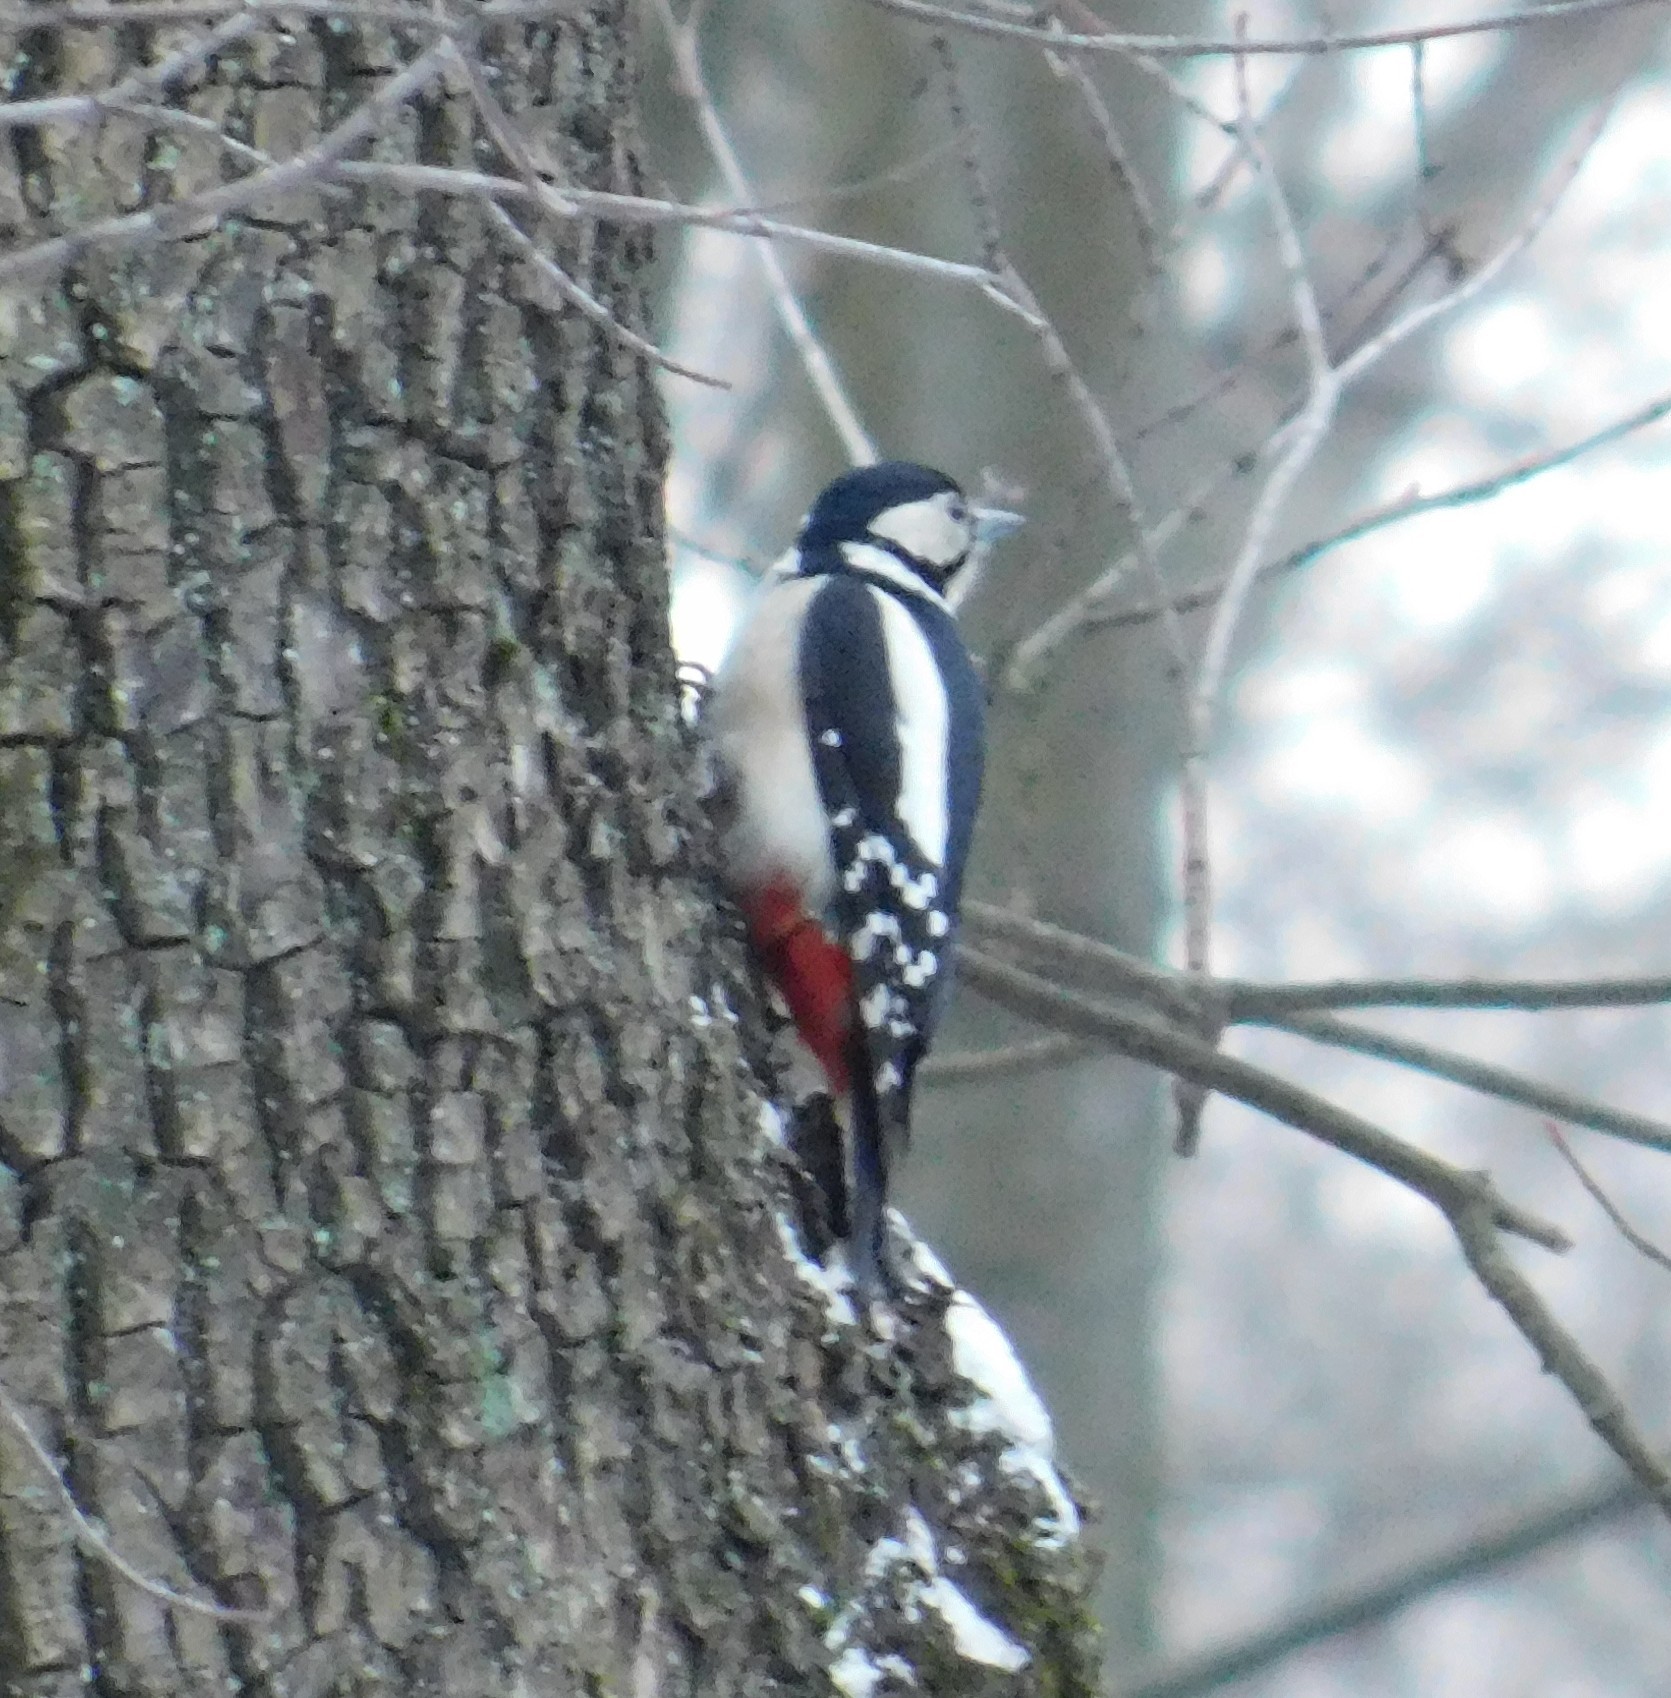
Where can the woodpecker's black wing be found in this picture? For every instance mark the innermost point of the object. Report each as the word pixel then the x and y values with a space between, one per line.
pixel 894 719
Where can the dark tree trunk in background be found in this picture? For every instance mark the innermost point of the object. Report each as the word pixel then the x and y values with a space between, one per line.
pixel 386 1231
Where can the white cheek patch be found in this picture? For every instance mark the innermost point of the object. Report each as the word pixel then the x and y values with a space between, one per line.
pixel 926 530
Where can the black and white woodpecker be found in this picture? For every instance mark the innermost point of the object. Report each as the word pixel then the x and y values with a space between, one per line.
pixel 849 721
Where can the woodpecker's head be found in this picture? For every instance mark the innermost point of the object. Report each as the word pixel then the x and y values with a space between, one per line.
pixel 912 514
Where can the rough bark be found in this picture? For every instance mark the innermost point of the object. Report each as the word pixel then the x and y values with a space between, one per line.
pixel 389 1238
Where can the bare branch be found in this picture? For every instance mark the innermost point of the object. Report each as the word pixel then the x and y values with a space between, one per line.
pixel 1638 1241
pixel 148 79
pixel 1070 955
pixel 1448 1188
pixel 1249 1001
pixel 1559 1352
pixel 1240 1001
pixel 1477 1213
pixel 1092 607
pixel 1487 272
pixel 429 21
pixel 1362 1606
pixel 1078 78
pixel 1030 1055
pixel 1198 1004
pixel 1300 445
pixel 645 209
pixel 594 309
pixel 1205 47
pixel 1501 1082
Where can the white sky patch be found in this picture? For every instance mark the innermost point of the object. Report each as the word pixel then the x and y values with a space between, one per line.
pixel 1486 865
pixel 708 600
pixel 1370 1208
pixel 1653 638
pixel 1325 687
pixel 1434 572
pixel 1208 282
pixel 1339 763
pixel 1510 345
pixel 1617 849
pixel 1616 844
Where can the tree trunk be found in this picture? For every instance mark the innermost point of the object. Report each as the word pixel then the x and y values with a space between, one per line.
pixel 389 1244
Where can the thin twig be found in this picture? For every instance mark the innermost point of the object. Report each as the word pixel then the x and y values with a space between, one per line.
pixel 1379 518
pixel 92 1538
pixel 1301 444
pixel 506 136
pixel 1469 1558
pixel 1004 285
pixel 593 308
pixel 1247 1000
pixel 1205 47
pixel 1492 1081
pixel 1486 273
pixel 1560 1353
pixel 646 209
pixel 198 213
pixel 814 357
pixel 1078 78
pixel 1028 1056
pixel 1089 608
pixel 147 79
pixel 1638 1241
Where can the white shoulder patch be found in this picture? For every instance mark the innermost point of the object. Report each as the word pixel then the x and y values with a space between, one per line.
pixel 921 725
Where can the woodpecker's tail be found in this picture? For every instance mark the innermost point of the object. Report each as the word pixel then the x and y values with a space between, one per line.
pixel 877 1130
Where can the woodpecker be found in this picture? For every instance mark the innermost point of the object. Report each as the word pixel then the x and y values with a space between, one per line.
pixel 848 720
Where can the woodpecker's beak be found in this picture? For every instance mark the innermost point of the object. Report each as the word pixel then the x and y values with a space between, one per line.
pixel 994 523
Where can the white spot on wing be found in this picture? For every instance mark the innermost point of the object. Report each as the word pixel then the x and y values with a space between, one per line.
pixel 873 1010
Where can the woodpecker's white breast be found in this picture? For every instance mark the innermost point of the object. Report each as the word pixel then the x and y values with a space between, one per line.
pixel 759 727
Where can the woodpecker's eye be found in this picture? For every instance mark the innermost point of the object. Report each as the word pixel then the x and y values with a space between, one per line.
pixel 959 512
